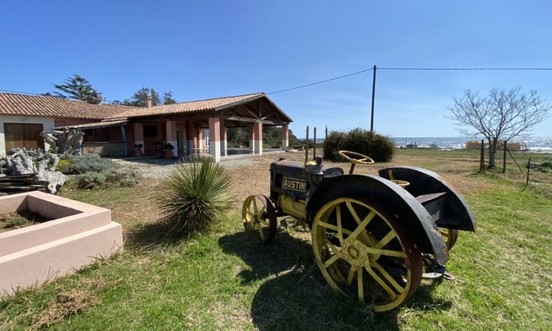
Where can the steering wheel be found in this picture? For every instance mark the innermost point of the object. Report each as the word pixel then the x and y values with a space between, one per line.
pixel 355 158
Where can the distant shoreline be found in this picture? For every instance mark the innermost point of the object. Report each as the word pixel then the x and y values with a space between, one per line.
pixel 532 143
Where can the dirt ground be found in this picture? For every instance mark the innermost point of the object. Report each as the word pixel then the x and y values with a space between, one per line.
pixel 251 174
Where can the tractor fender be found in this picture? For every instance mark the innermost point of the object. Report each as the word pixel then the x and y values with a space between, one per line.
pixel 409 212
pixel 457 213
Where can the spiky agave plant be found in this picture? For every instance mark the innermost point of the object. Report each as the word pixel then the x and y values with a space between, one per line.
pixel 194 195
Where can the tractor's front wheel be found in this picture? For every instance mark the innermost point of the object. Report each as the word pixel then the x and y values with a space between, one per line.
pixel 258 215
pixel 450 236
pixel 363 251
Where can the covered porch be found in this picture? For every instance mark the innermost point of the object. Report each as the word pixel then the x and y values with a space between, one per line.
pixel 189 129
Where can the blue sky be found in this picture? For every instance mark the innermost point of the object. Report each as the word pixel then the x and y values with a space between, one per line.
pixel 206 49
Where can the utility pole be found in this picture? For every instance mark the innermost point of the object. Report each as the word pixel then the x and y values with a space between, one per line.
pixel 373 100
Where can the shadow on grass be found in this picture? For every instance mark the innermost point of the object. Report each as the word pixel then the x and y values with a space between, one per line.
pixel 153 235
pixel 293 295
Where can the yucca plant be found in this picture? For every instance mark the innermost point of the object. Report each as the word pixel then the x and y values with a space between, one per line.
pixel 194 195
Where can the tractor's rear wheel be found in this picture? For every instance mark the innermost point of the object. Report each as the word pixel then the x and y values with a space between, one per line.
pixel 258 215
pixel 362 251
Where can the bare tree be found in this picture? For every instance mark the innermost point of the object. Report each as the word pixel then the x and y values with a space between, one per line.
pixel 501 116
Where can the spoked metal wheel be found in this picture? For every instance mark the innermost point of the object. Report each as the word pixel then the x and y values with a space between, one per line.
pixel 362 252
pixel 258 215
pixel 450 236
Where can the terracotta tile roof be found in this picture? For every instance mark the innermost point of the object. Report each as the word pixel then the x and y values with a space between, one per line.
pixel 189 107
pixel 37 105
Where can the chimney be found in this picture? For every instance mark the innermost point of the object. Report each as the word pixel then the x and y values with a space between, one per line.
pixel 148 102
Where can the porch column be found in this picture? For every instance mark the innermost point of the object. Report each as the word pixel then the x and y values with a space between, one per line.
pixel 285 137
pixel 251 141
pixel 214 138
pixel 170 135
pixel 223 138
pixel 189 139
pixel 258 137
pixel 201 143
pixel 195 132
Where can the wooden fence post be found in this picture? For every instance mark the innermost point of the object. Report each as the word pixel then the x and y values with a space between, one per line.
pixel 314 145
pixel 527 178
pixel 504 156
pixel 307 147
pixel 325 139
pixel 482 156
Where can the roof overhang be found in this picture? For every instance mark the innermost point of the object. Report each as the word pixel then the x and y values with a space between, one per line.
pixel 239 109
pixel 95 125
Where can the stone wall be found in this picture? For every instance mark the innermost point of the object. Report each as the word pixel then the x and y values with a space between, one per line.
pixel 105 149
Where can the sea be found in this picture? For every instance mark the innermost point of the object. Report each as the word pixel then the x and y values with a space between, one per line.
pixel 535 144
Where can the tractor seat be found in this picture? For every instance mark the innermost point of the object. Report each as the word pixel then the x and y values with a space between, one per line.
pixel 333 172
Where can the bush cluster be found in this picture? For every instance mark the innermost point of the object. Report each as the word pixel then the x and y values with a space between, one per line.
pixel 91 180
pixel 76 164
pixel 546 166
pixel 88 180
pixel 379 148
pixel 91 171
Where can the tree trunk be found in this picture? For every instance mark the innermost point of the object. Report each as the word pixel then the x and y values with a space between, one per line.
pixel 493 145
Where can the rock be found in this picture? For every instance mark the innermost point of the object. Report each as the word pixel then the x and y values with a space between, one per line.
pixel 55 180
pixel 42 165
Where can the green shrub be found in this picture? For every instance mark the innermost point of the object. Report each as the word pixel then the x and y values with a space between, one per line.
pixel 76 164
pixel 379 148
pixel 546 166
pixel 198 158
pixel 92 180
pixel 88 180
pixel 194 196
pixel 92 171
pixel 333 143
pixel 123 178
pixel 130 179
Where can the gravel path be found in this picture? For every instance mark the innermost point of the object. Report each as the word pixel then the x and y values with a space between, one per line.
pixel 249 173
pixel 158 168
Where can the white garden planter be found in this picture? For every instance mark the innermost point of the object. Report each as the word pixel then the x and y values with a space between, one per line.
pixel 76 235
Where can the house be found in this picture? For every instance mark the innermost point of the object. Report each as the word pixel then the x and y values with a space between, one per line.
pixel 193 127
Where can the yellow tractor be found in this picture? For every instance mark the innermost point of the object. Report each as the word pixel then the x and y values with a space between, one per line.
pixel 372 236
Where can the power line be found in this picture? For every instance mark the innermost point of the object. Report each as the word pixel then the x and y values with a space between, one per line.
pixel 413 69
pixel 467 69
pixel 322 81
pixel 383 68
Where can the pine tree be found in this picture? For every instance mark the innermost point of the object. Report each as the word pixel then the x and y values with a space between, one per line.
pixel 79 88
